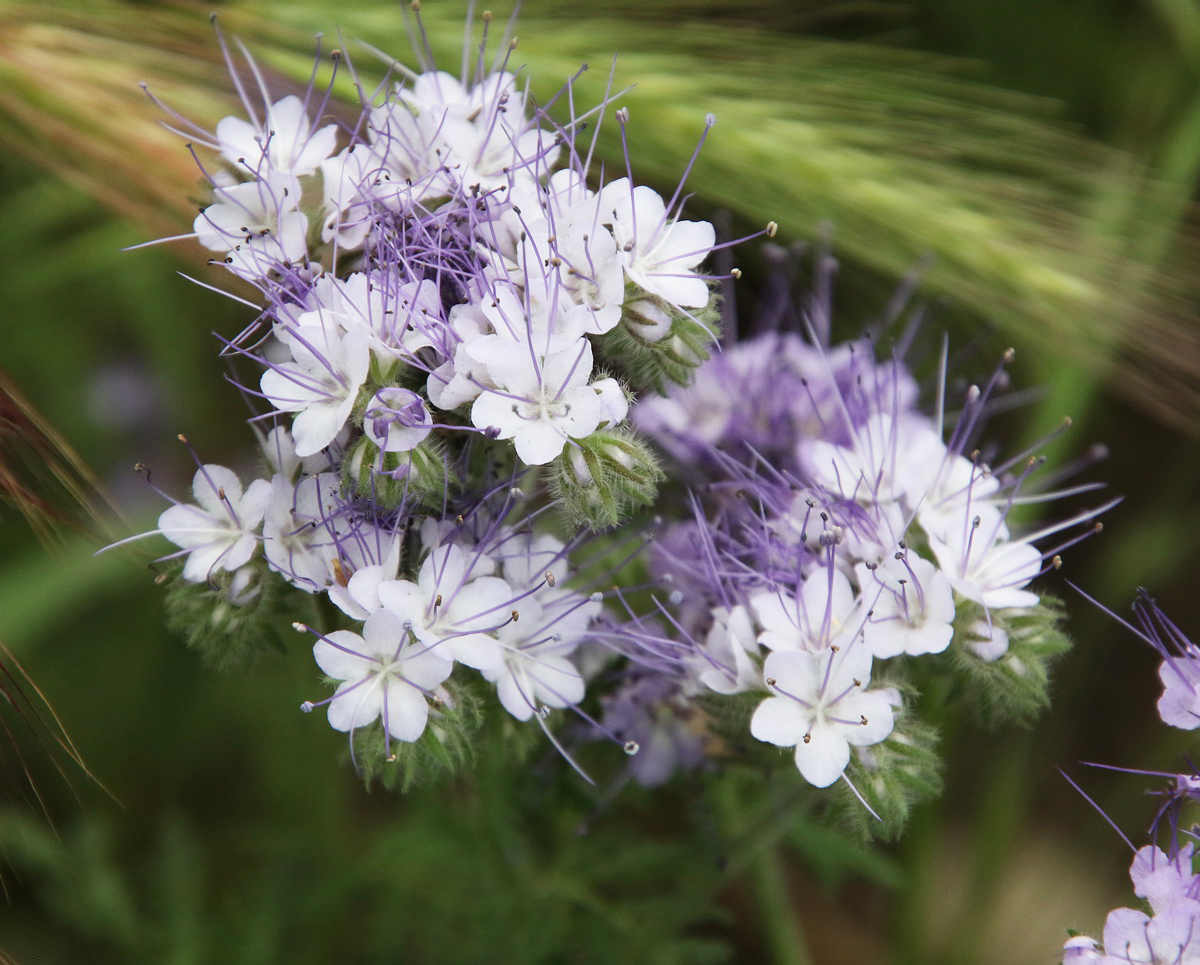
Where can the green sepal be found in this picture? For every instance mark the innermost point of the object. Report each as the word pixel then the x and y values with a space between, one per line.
pixel 231 624
pixel 1016 686
pixel 892 776
pixel 656 363
pixel 446 748
pixel 390 479
pixel 600 480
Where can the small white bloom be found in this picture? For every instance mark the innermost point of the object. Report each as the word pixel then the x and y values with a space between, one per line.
pixel 320 386
pixel 287 142
pixel 453 610
pixel 809 618
pixel 911 604
pixel 219 533
pixel 257 223
pixel 984 566
pixel 542 399
pixel 384 672
pixel 823 708
pixel 659 254
pixel 725 663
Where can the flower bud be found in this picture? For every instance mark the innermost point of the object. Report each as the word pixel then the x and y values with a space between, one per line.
pixel 657 344
pixel 396 419
pixel 604 477
pixel 390 478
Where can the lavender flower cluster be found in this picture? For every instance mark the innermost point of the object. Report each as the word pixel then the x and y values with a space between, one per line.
pixel 1164 879
pixel 443 453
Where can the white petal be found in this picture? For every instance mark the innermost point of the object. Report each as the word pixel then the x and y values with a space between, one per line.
pixel 824 757
pixel 781 721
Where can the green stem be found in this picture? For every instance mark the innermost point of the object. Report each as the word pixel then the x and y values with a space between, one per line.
pixel 764 863
pixel 777 908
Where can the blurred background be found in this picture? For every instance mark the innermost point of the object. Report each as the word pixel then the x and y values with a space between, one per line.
pixel 1037 161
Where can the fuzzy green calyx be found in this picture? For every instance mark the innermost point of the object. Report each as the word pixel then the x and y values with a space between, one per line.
pixel 394 478
pixel 603 478
pixel 656 344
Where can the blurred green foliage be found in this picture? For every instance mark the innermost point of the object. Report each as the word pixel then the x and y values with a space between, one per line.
pixel 1046 155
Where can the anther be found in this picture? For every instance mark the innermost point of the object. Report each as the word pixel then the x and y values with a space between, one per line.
pixel 306 707
pixel 516 615
pixel 675 597
pixel 808 738
pixel 862 719
pixel 736 273
pixel 299 627
pixel 596 597
pixel 772 227
pixel 631 748
pixel 835 649
pixel 550 580
pixel 623 115
pixel 543 712
pixel 770 681
pixel 1056 562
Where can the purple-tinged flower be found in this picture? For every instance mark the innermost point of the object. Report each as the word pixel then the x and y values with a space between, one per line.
pixel 397 420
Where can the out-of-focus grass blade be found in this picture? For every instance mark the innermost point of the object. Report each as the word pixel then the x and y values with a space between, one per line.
pixel 42 476
pixel 895 148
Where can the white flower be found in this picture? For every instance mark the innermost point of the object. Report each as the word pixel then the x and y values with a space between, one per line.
pixel 658 254
pixel 823 708
pixel 384 673
pixel 320 386
pixel 219 533
pixel 724 663
pixel 286 142
pixel 534 671
pixel 808 619
pixel 983 565
pixel 542 399
pixel 452 609
pixel 257 224
pixel 913 608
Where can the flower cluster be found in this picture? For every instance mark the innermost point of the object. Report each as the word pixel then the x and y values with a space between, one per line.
pixel 836 529
pixel 454 315
pixel 1164 879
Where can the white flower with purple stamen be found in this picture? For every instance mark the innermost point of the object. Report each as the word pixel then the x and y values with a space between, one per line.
pixel 534 671
pixel 258 224
pixel 320 386
pixel 220 532
pixel 808 618
pixel 911 607
pixel 822 708
pixel 986 567
pixel 285 143
pixel 542 399
pixel 455 608
pixel 659 253
pixel 384 673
